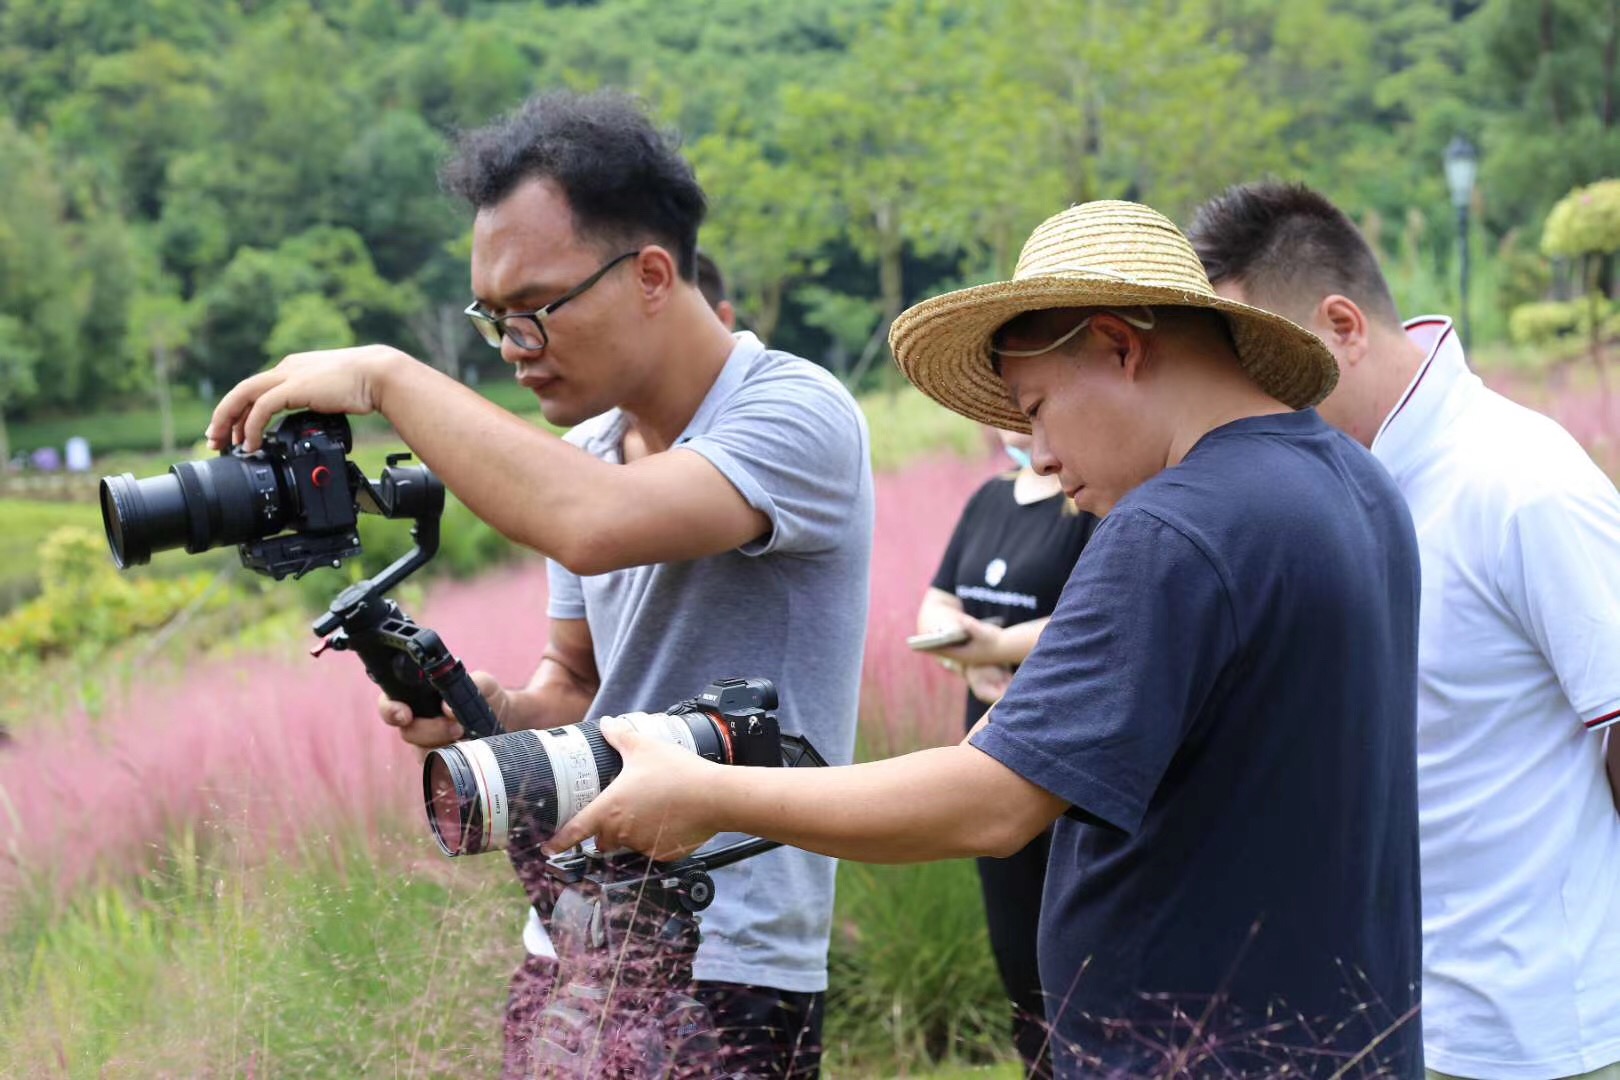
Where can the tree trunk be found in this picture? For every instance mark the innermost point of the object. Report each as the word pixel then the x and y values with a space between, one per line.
pixel 1547 15
pixel 770 310
pixel 1597 298
pixel 1610 48
pixel 161 367
pixel 891 251
pixel 1001 248
pixel 436 328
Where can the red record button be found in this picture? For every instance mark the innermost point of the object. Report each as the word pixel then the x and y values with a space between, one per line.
pixel 319 476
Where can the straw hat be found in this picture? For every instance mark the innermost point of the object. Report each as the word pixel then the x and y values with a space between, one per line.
pixel 1097 254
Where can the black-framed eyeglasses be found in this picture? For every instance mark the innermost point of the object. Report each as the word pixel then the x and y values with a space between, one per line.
pixel 527 329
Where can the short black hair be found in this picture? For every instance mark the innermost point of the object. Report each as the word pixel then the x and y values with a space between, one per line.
pixel 624 179
pixel 1284 242
pixel 710 281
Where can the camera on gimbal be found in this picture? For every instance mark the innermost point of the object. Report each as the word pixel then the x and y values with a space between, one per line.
pixel 291 507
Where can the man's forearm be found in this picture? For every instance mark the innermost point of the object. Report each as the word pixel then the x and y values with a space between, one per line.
pixel 485 455
pixel 554 697
pixel 949 802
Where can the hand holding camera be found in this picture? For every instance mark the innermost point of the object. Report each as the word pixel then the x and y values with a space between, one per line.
pixel 290 507
pixel 533 787
pixel 331 381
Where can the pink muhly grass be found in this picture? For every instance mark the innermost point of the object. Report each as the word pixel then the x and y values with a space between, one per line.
pixel 907 699
pixel 261 750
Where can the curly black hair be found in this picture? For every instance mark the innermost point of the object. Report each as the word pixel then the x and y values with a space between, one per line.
pixel 624 179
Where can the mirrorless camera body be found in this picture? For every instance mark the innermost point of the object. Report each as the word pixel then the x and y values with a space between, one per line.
pixel 290 506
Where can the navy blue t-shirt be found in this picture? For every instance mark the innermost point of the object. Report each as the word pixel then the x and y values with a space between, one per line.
pixel 1226 697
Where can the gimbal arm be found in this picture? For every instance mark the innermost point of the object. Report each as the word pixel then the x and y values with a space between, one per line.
pixel 409 662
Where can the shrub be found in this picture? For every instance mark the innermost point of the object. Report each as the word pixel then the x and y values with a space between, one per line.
pixel 86 605
pixel 1584 222
pixel 912 980
pixel 1547 321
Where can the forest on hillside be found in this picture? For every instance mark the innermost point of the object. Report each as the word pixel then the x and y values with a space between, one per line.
pixel 189 191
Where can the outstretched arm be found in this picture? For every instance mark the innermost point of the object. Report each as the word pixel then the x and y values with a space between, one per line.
pixel 948 802
pixel 531 486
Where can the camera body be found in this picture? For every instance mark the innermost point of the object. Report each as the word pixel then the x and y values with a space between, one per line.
pixel 307 454
pixel 290 506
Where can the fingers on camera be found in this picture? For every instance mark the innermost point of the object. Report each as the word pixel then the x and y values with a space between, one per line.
pixel 429 733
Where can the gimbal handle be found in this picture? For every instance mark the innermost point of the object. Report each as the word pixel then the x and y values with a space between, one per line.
pixel 410 663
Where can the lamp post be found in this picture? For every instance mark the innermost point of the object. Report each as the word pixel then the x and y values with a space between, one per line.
pixel 1462 166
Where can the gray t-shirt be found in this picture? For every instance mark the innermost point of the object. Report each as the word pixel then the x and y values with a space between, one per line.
pixel 790 607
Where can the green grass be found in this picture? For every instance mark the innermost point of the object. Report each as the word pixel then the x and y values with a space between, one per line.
pixel 363 957
pixel 111 430
pixel 344 961
pixel 1007 1070
pixel 912 979
pixel 905 425
pixel 24 525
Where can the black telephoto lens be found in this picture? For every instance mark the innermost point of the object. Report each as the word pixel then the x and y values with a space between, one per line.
pixel 518 789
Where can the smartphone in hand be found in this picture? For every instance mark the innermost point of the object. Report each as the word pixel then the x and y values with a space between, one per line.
pixel 937 639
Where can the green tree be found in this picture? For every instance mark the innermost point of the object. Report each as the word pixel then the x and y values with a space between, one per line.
pixel 285 110
pixel 1547 72
pixel 161 326
pixel 136 110
pixel 1585 226
pixel 871 135
pixel 391 196
pixel 240 311
pixel 767 225
pixel 308 321
pixel 41 298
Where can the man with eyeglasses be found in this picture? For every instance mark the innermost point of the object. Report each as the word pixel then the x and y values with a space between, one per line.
pixel 709 514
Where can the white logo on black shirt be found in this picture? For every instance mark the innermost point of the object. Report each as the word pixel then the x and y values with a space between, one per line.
pixel 995 572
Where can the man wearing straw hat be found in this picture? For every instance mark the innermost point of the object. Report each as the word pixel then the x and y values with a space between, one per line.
pixel 1220 714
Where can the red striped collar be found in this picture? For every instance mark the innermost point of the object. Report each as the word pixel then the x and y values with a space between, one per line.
pixel 1437 336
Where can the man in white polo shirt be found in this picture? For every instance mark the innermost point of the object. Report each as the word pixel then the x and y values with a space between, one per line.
pixel 1518 654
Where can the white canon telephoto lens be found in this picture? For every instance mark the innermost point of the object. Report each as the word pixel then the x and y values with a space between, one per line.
pixel 519 788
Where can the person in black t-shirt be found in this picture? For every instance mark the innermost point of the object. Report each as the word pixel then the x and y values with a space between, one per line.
pixel 1220 716
pixel 1006 563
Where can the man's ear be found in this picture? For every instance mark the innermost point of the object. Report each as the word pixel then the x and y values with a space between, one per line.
pixel 656 276
pixel 1343 326
pixel 727 314
pixel 1126 344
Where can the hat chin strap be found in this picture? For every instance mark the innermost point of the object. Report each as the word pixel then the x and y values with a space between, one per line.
pixel 1141 322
